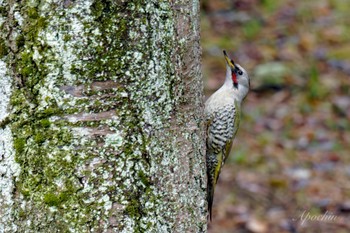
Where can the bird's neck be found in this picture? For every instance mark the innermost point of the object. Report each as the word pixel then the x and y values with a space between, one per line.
pixel 239 92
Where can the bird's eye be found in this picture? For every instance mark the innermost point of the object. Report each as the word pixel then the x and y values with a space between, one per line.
pixel 240 72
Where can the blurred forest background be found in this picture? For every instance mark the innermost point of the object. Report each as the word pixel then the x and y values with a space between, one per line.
pixel 291 156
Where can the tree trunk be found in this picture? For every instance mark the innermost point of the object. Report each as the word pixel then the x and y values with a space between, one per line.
pixel 100 117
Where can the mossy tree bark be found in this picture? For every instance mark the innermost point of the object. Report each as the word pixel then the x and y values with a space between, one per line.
pixel 100 115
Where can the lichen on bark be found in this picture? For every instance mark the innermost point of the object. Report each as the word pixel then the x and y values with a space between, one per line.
pixel 9 169
pixel 105 123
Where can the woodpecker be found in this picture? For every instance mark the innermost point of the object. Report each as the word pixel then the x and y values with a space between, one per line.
pixel 222 114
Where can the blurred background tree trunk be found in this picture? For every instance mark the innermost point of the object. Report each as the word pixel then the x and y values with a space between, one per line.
pixel 100 114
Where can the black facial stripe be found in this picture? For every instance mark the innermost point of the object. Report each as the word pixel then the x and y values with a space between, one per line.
pixel 237 71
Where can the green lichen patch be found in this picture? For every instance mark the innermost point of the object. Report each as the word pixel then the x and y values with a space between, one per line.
pixel 19 144
pixel 3 48
pixel 52 199
pixel 133 209
pixel 45 123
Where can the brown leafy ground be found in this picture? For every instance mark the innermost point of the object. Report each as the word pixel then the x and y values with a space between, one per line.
pixel 290 166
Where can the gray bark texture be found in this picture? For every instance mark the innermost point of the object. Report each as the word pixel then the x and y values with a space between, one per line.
pixel 101 116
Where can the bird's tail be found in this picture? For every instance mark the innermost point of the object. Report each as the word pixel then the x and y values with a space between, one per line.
pixel 210 195
pixel 214 163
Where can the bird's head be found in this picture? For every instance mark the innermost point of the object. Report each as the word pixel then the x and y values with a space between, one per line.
pixel 236 73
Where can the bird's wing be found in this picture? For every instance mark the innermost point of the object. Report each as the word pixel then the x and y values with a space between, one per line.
pixel 236 120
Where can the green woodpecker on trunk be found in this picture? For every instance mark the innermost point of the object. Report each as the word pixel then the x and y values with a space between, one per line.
pixel 222 112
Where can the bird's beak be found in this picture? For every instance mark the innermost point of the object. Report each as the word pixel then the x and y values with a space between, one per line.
pixel 233 68
pixel 229 61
